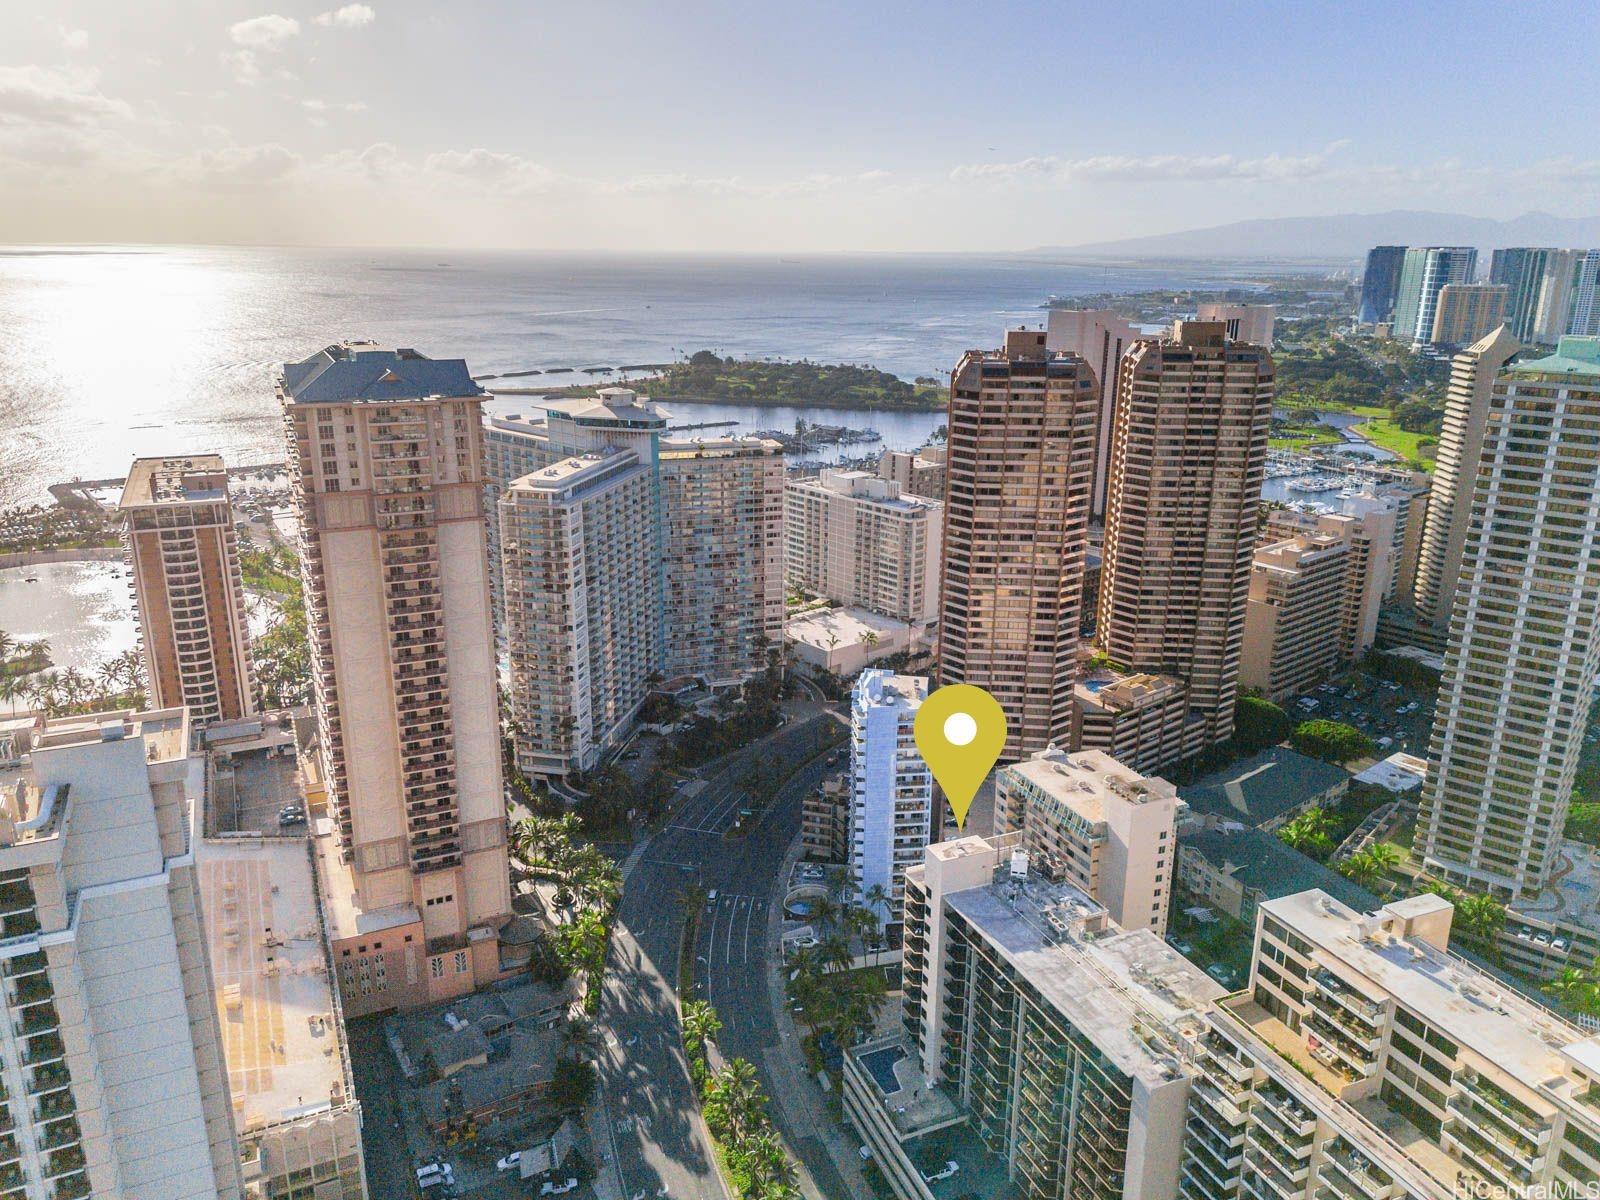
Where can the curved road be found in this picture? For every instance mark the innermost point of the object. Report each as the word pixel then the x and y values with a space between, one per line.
pixel 660 1145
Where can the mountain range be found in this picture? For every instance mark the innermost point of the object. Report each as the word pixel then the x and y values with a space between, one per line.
pixel 1349 236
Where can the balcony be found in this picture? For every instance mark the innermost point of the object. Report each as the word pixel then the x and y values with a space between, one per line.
pixel 19 924
pixel 51 1077
pixel 1355 1167
pixel 71 1187
pixel 55 1106
pixel 25 964
pixel 40 1018
pixel 9 1150
pixel 32 989
pixel 43 1049
pixel 64 1161
pixel 1330 985
pixel 61 1133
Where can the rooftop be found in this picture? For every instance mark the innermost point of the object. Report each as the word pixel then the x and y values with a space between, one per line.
pixel 1088 781
pixel 520 1062
pixel 611 406
pixel 345 917
pixel 281 1032
pixel 366 373
pixel 1573 895
pixel 575 472
pixel 1573 356
pixel 1507 1030
pixel 864 486
pixel 192 479
pixel 847 626
pixel 885 689
pixel 1400 772
pixel 1265 786
pixel 1261 861
pixel 1129 992
pixel 1105 688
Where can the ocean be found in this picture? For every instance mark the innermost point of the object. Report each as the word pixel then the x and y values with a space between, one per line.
pixel 107 353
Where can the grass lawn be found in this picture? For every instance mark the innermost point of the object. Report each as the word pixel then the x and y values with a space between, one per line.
pixel 1305 441
pixel 1414 447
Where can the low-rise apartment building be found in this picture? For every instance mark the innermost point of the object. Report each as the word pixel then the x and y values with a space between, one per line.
pixel 1090 821
pixel 1139 719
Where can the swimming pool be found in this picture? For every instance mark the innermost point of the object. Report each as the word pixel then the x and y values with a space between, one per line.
pixel 880 1065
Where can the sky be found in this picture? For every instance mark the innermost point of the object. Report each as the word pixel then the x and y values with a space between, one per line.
pixel 689 125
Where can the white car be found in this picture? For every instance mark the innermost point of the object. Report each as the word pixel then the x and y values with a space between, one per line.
pixel 944 1172
pixel 551 1188
pixel 509 1161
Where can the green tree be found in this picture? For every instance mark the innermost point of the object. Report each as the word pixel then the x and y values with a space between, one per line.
pixel 1331 741
pixel 1259 723
pixel 572 1085
pixel 1310 833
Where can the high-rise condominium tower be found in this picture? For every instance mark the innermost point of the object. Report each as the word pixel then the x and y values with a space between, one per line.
pixel 1100 338
pixel 1187 461
pixel 178 529
pixel 1425 270
pixel 116 1083
pixel 891 789
pixel 1022 435
pixel 1541 283
pixel 1380 283
pixel 1466 312
pixel 386 454
pixel 1455 474
pixel 1520 670
pixel 627 556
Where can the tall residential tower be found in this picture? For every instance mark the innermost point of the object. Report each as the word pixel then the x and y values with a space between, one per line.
pixel 1021 452
pixel 1187 462
pixel 1521 666
pixel 178 529
pixel 386 455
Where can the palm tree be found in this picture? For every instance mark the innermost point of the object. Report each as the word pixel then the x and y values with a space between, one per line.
pixel 879 899
pixel 7 645
pixel 1574 988
pixel 579 1038
pixel 700 1022
pixel 74 685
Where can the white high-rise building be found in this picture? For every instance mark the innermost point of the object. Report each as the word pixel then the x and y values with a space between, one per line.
pixel 859 540
pixel 673 545
pixel 1098 825
pixel 1523 656
pixel 1100 338
pixel 891 788
pixel 1246 322
pixel 113 1071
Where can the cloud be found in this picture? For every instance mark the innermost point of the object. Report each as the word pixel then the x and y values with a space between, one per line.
pixel 351 16
pixel 240 166
pixel 323 106
pixel 44 96
pixel 264 33
pixel 74 39
pixel 1052 170
pixel 491 168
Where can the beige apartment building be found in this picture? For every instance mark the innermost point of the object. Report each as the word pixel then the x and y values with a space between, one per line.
pixel 1099 337
pixel 1522 662
pixel 1292 622
pixel 1467 312
pixel 1141 720
pixel 1365 1061
pixel 177 526
pixel 1022 436
pixel 857 539
pixel 1315 596
pixel 918 472
pixel 1455 474
pixel 1087 820
pixel 1188 457
pixel 386 455
pixel 115 1083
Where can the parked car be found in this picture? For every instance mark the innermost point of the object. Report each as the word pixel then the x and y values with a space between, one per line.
pixel 291 814
pixel 551 1188
pixel 944 1172
pixel 509 1161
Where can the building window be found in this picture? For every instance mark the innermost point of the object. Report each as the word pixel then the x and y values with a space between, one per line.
pixel 461 961
pixel 436 968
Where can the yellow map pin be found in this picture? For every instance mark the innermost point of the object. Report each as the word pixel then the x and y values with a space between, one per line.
pixel 960 731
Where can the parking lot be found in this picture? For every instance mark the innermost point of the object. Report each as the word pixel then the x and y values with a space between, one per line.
pixel 1395 716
